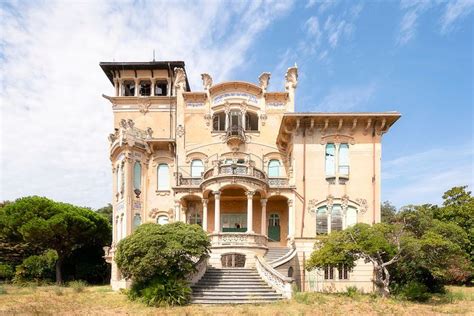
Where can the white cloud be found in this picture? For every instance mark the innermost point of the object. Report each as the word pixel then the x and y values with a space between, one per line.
pixel 423 177
pixel 455 11
pixel 312 28
pixel 452 12
pixel 343 99
pixel 54 122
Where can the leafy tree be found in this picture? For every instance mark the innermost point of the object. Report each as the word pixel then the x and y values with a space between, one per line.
pixel 433 250
pixel 37 268
pixel 53 225
pixel 161 250
pixel 388 212
pixel 379 244
pixel 158 258
pixel 106 211
pixel 458 208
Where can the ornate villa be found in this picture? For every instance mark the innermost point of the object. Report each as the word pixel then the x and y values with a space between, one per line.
pixel 261 179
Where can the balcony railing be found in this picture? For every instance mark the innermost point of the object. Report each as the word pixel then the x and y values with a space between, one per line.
pixel 234 169
pixel 235 133
pixel 238 239
pixel 278 182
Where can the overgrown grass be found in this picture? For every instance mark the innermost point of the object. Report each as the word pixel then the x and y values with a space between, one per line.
pixel 100 300
pixel 77 286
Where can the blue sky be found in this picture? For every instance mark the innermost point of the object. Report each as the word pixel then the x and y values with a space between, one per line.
pixel 415 57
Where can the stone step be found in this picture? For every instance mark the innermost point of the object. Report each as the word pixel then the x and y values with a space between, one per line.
pixel 235 295
pixel 232 274
pixel 232 277
pixel 233 287
pixel 231 291
pixel 233 301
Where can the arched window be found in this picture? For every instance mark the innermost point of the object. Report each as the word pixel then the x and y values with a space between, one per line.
pixel 163 177
pixel 290 272
pixel 351 216
pixel 128 88
pixel 218 121
pixel 321 221
pixel 195 218
pixel 274 168
pixel 137 220
pixel 162 220
pixel 330 159
pixel 145 88
pixel 119 180
pixel 137 176
pixel 343 159
pixel 336 218
pixel 274 220
pixel 197 168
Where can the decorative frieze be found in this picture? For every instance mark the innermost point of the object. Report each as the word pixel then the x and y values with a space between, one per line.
pixel 229 95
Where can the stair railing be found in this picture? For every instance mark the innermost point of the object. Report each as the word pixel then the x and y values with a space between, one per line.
pixel 275 279
pixel 287 257
pixel 201 267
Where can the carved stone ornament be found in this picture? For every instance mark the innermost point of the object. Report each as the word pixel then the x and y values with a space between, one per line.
pixel 180 78
pixel 207 118
pixel 180 131
pixel 344 202
pixel 227 107
pixel 130 123
pixel 263 118
pixel 311 205
pixel 206 81
pixel 149 133
pixel 144 105
pixel 123 123
pixel 291 77
pixel 363 205
pixel 330 202
pixel 264 80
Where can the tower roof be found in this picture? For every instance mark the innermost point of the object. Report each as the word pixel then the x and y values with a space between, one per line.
pixel 110 68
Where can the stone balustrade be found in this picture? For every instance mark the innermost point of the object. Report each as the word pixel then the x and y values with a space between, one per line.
pixel 275 279
pixel 238 239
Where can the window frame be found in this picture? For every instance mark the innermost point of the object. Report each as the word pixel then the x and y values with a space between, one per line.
pixel 193 175
pixel 160 186
pixel 277 175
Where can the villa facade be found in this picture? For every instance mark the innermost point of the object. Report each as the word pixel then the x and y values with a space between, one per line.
pixel 261 179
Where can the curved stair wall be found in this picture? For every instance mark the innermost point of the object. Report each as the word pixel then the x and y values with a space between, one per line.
pixel 275 279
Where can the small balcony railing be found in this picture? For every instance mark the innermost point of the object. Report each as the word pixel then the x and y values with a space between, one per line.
pixel 234 169
pixel 235 133
pixel 238 239
pixel 278 182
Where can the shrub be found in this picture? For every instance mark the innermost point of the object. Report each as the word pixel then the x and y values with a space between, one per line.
pixel 415 291
pixel 161 292
pixel 37 268
pixel 352 291
pixel 6 272
pixel 77 286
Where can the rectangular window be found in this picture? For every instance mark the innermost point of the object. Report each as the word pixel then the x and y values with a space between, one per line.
pixel 234 222
pixel 343 159
pixel 343 272
pixel 328 273
pixel 330 160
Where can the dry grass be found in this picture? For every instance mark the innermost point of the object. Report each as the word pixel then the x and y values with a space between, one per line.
pixel 100 300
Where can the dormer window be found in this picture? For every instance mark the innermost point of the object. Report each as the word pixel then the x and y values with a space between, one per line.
pixel 128 88
pixel 145 88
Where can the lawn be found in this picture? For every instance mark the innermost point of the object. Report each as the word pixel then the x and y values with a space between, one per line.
pixel 100 300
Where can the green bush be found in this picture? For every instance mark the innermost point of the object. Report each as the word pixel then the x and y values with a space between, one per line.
pixel 37 268
pixel 161 292
pixel 415 291
pixel 77 286
pixel 6 272
pixel 352 291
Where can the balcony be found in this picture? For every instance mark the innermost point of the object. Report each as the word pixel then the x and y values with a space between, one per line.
pixel 238 239
pixel 235 136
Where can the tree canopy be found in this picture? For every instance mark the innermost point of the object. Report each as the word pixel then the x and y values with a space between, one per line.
pixel 53 225
pixel 161 251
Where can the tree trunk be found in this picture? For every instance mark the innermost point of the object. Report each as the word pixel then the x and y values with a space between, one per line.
pixel 59 276
pixel 382 281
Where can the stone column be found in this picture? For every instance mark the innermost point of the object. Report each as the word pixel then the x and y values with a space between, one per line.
pixel 204 214
pixel 227 120
pixel 291 219
pixel 137 87
pixel 264 226
pixel 217 211
pixel 120 81
pixel 177 210
pixel 116 86
pixel 250 195
pixel 153 83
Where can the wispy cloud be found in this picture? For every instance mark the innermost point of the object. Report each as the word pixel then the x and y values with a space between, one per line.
pixel 347 98
pixel 452 12
pixel 54 122
pixel 455 11
pixel 422 177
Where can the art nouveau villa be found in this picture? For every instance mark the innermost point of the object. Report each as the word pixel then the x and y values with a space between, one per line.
pixel 261 179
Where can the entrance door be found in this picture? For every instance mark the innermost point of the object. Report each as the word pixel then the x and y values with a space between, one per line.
pixel 274 227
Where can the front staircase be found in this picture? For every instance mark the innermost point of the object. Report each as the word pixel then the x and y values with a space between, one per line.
pixel 232 286
pixel 275 253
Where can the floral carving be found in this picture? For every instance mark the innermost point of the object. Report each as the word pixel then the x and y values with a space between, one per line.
pixel 180 78
pixel 180 131
pixel 264 80
pixel 291 77
pixel 363 205
pixel 206 81
pixel 143 105
pixel 263 118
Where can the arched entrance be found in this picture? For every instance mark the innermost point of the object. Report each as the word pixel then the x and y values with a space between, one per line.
pixel 274 227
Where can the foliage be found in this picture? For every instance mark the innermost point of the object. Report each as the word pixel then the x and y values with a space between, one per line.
pixel 37 267
pixel 48 224
pixel 6 272
pixel 415 291
pixel 77 286
pixel 388 212
pixel 161 291
pixel 161 250
pixel 158 258
pixel 309 298
pixel 107 212
pixel 3 290
pixel 352 291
